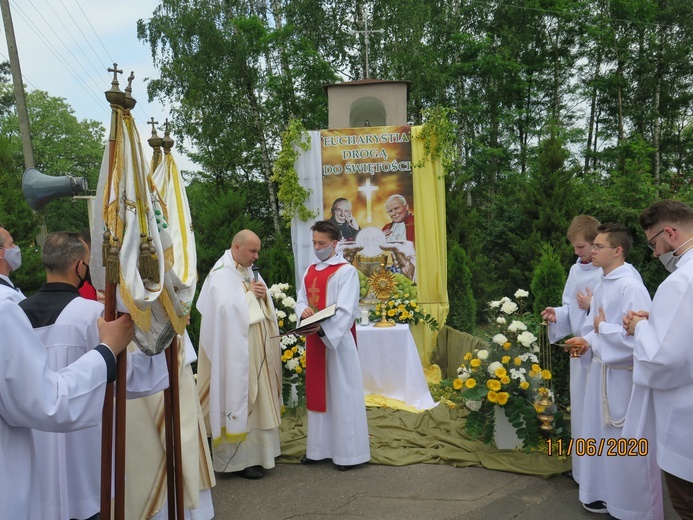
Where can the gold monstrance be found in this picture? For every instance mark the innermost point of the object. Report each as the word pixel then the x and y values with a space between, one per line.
pixel 382 283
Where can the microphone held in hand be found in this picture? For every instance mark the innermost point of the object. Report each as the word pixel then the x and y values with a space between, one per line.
pixel 256 270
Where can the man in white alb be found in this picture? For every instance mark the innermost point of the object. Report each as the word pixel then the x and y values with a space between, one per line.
pixel 239 367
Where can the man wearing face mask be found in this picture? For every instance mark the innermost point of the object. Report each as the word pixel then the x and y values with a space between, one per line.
pixel 11 260
pixel 67 326
pixel 663 354
pixel 337 424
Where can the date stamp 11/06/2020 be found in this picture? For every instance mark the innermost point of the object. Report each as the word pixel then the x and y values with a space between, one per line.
pixel 612 447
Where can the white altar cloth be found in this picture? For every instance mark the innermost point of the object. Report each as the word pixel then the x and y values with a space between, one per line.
pixel 391 366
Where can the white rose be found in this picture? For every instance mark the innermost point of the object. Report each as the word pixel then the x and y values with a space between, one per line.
pixel 499 339
pixel 292 318
pixel 474 406
pixel 504 299
pixel 494 305
pixel 517 326
pixel 284 286
pixel 462 374
pixel 521 293
pixel 500 319
pixel 279 296
pixel 289 302
pixel 482 354
pixel 526 338
pixel 509 307
pixel 281 314
pixel 494 366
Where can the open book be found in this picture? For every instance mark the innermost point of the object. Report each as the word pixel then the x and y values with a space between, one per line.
pixel 318 317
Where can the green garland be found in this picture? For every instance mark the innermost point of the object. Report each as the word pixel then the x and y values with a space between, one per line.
pixel 439 139
pixel 291 194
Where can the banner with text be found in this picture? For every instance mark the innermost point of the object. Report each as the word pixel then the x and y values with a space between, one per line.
pixel 368 193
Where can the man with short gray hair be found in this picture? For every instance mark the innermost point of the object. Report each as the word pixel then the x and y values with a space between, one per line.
pixel 67 325
pixel 10 260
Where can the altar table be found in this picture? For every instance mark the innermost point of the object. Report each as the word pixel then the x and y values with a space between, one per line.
pixel 391 366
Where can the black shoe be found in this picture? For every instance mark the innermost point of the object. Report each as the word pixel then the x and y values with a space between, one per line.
pixel 598 507
pixel 306 461
pixel 345 468
pixel 251 473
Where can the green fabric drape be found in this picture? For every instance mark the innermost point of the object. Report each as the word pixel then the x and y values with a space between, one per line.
pixel 436 436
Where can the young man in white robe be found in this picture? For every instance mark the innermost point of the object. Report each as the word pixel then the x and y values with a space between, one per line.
pixel 239 368
pixel 67 325
pixel 10 260
pixel 33 397
pixel 612 480
pixel 337 422
pixel 571 315
pixel 663 354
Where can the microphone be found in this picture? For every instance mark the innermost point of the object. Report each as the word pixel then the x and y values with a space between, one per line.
pixel 256 270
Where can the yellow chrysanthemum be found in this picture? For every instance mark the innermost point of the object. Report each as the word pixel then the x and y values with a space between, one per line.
pixel 401 307
pixel 294 349
pixel 390 303
pixel 492 397
pixel 505 360
pixel 505 380
pixel 524 385
pixel 506 345
pixel 299 370
pixel 534 373
pixel 288 354
pixel 546 375
pixel 500 372
pixel 536 368
pixel 517 361
pixel 493 384
pixel 470 383
pixel 475 362
pixel 503 398
pixel 539 408
pixel 468 356
pixel 280 323
pixel 391 312
pixel 457 384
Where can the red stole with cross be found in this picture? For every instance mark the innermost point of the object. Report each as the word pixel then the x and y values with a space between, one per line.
pixel 316 352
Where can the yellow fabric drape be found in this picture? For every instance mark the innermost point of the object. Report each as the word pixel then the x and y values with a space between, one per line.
pixel 431 247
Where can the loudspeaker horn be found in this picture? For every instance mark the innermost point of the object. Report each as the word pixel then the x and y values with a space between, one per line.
pixel 40 189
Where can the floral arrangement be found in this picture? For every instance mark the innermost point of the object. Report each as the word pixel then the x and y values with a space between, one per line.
pixel 507 374
pixel 403 310
pixel 293 346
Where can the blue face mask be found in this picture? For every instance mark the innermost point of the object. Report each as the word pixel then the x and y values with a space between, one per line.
pixel 13 256
pixel 324 254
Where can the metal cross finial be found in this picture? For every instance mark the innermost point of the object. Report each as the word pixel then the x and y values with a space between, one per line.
pixel 115 70
pixel 166 126
pixel 153 123
pixel 130 78
pixel 366 31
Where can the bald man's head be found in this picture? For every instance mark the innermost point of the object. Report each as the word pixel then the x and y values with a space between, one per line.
pixel 245 247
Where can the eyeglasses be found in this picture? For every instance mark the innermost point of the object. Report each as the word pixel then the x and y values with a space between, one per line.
pixel 599 247
pixel 650 242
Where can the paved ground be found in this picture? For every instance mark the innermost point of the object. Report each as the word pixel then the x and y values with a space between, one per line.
pixel 416 492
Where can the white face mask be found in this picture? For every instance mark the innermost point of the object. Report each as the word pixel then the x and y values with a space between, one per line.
pixel 668 259
pixel 13 256
pixel 324 254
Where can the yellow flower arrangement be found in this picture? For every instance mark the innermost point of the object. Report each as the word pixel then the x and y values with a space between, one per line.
pixel 506 374
pixel 293 346
pixel 403 310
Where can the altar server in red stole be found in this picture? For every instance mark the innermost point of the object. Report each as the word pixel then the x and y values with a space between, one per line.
pixel 337 424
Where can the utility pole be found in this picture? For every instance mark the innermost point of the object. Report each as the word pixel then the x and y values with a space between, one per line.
pixel 22 114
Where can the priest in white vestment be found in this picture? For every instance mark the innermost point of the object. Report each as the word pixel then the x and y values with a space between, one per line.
pixel 627 485
pixel 663 354
pixel 33 397
pixel 10 260
pixel 570 316
pixel 239 368
pixel 67 325
pixel 337 422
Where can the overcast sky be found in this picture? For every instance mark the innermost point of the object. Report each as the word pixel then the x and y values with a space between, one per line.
pixel 65 47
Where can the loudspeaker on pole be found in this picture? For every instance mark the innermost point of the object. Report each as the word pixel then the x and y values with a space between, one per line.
pixel 40 189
